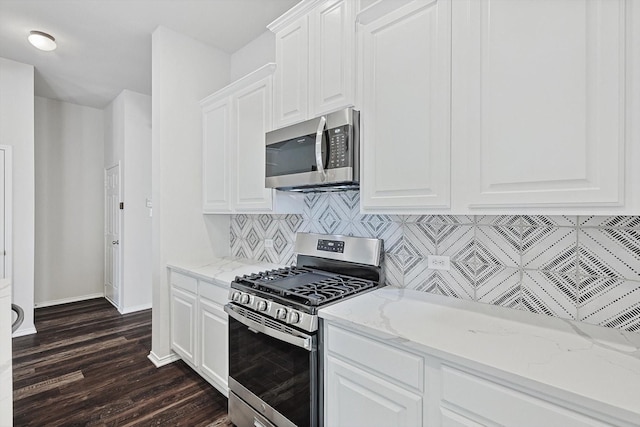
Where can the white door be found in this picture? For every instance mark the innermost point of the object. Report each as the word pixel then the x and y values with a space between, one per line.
pixel 5 211
pixel 3 248
pixel 112 285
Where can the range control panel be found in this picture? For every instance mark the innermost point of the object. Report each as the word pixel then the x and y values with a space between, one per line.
pixel 331 246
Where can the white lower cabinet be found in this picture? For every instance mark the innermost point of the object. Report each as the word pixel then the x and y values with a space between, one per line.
pixel 213 339
pixel 371 382
pixel 199 327
pixel 359 398
pixel 183 317
pixel 469 400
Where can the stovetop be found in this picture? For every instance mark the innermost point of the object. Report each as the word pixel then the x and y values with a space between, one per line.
pixel 329 269
pixel 304 285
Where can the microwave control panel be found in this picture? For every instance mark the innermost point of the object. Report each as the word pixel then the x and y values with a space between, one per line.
pixel 339 147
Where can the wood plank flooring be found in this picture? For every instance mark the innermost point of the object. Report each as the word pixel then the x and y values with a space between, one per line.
pixel 88 366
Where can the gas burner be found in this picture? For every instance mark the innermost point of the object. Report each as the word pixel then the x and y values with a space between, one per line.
pixel 304 285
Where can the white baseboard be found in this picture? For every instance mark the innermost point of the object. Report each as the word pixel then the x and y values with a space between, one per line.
pixel 136 308
pixel 161 361
pixel 68 300
pixel 21 332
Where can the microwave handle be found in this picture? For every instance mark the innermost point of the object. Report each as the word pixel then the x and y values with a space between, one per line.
pixel 319 161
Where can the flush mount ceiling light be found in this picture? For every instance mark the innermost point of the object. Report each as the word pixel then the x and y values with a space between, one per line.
pixel 42 41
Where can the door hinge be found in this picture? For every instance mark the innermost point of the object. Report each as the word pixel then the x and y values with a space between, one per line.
pixel 121 205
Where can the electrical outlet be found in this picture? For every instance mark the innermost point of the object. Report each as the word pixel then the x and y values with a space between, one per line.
pixel 438 262
pixel 268 243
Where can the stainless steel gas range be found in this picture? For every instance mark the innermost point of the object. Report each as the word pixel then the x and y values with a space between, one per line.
pixel 275 367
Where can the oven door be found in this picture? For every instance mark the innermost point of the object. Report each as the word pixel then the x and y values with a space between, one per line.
pixel 273 369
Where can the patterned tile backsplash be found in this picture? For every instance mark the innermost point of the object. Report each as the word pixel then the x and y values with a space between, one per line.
pixel 585 268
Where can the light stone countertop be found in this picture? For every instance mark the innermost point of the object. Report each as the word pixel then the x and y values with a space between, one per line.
pixel 222 271
pixel 599 367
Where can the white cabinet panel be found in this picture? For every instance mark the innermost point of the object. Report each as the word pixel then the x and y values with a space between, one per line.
pixel 357 398
pixel 500 405
pixel 215 154
pixel 183 324
pixel 214 359
pixel 405 64
pixel 538 102
pixel 291 76
pixel 235 120
pixel 332 56
pixel 252 107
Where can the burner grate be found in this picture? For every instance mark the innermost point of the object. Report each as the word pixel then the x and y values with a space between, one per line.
pixel 306 286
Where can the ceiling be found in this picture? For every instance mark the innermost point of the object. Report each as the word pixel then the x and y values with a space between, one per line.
pixel 104 46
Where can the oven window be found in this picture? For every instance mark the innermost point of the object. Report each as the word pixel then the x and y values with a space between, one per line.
pixel 279 373
pixel 294 156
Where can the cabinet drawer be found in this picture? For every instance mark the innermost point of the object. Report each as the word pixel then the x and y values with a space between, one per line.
pixel 397 365
pixel 213 292
pixel 185 282
pixel 482 399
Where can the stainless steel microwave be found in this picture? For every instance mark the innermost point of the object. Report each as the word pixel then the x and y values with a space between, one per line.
pixel 321 154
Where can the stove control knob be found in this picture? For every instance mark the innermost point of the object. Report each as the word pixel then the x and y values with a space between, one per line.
pixel 261 306
pixel 244 299
pixel 281 313
pixel 294 317
pixel 235 296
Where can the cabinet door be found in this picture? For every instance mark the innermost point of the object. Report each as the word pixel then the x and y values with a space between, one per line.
pixel 484 402
pixel 215 151
pixel 538 102
pixel 252 111
pixel 183 324
pixel 291 84
pixel 214 361
pixel 405 93
pixel 354 397
pixel 332 56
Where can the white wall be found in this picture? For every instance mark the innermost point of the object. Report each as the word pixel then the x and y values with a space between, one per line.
pixel 254 55
pixel 16 130
pixel 137 189
pixel 183 72
pixel 69 158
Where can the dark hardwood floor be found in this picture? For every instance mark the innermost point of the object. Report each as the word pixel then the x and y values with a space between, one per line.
pixel 88 366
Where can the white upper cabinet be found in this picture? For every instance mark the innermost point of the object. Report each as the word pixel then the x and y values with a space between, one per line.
pixel 404 62
pixel 539 103
pixel 216 121
pixel 332 56
pixel 292 85
pixel 252 111
pixel 235 120
pixel 315 54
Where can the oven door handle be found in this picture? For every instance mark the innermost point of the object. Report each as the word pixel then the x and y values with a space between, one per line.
pixel 302 341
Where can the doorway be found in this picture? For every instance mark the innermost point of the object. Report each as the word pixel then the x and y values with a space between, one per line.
pixel 5 211
pixel 113 221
